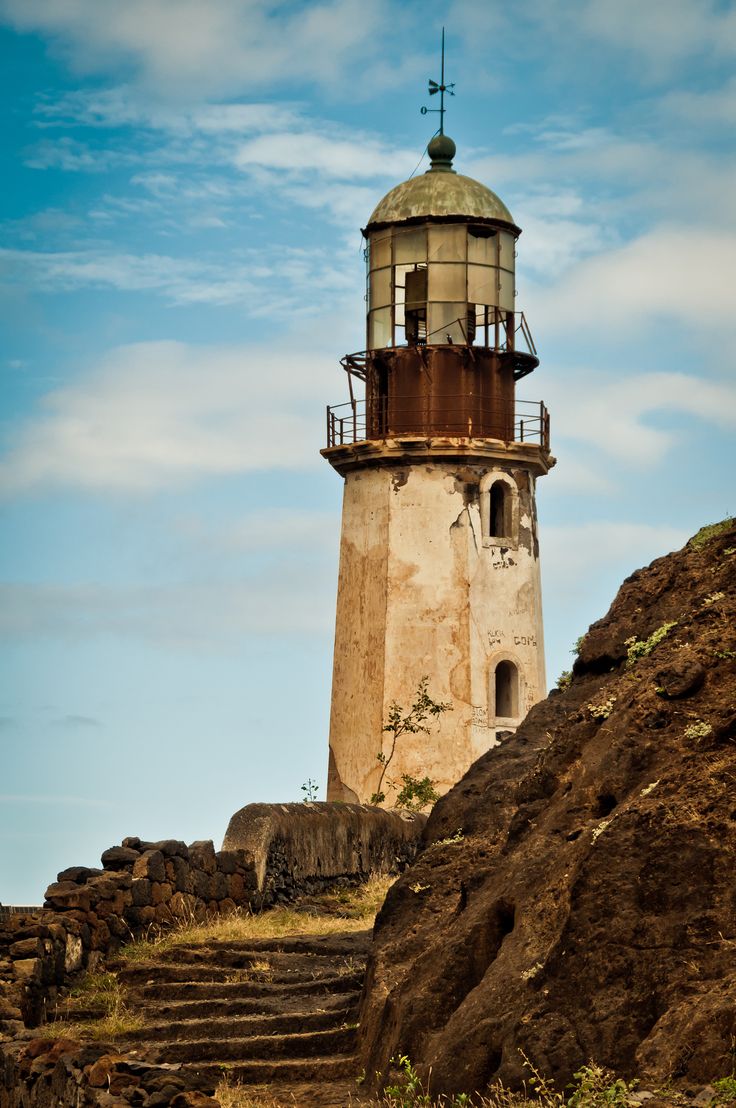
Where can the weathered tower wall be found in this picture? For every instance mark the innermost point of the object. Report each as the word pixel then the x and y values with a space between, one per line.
pixel 424 589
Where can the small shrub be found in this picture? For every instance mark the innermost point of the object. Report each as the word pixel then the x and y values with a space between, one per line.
pixel 641 648
pixel 409 723
pixel 416 794
pixel 577 645
pixel 596 1087
pixel 565 679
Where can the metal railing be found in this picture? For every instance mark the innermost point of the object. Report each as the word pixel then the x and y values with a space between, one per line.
pixel 519 421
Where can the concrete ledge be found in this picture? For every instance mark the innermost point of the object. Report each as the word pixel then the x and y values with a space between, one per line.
pixel 311 844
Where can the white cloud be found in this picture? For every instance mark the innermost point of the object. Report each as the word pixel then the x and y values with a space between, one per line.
pixel 612 413
pixel 336 158
pixel 263 288
pixel 184 615
pixel 157 414
pixel 654 36
pixel 213 46
pixel 680 273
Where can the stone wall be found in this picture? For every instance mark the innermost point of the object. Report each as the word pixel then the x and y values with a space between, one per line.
pixel 303 848
pixel 272 853
pixel 46 1073
pixel 88 913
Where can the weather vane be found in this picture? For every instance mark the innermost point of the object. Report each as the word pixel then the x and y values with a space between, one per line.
pixel 440 88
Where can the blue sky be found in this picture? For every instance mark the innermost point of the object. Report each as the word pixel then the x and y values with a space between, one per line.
pixel 183 184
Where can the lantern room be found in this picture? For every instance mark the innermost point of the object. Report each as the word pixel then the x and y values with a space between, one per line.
pixel 440 254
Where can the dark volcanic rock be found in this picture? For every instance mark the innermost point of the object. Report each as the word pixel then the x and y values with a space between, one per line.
pixel 574 897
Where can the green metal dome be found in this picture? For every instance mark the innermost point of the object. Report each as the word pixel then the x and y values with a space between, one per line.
pixel 440 193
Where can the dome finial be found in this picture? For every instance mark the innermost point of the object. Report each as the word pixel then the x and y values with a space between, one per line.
pixel 441 150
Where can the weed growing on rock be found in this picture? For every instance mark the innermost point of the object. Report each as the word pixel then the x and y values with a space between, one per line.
pixel 713 598
pixel 602 711
pixel 458 837
pixel 598 831
pixel 310 789
pixel 641 648
pixel 565 679
pixel 725 1089
pixel 724 655
pixel 698 730
pixel 399 724
pixel 705 534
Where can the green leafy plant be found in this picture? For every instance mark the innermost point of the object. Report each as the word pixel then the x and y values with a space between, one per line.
pixel 310 789
pixel 641 648
pixel 565 679
pixel 725 1088
pixel 416 794
pixel 410 723
pixel 596 1087
pixel 724 654
pixel 577 645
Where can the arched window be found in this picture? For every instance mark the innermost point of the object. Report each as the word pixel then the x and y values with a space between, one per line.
pixel 499 509
pixel 500 523
pixel 506 682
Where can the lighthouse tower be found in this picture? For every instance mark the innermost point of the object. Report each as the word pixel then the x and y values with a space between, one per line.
pixel 439 558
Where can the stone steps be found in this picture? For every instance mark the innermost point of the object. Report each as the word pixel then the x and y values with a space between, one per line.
pixel 240 1008
pixel 278 1013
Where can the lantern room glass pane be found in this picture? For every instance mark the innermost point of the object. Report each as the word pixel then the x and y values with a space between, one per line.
pixel 380 294
pixel 448 243
pixel 379 328
pixel 380 249
pixel 447 281
pixel 508 245
pixel 447 319
pixel 506 290
pixel 483 245
pixel 482 284
pixel 410 245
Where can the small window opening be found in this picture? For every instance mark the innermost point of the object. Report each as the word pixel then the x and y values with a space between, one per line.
pixel 507 690
pixel 416 306
pixel 500 511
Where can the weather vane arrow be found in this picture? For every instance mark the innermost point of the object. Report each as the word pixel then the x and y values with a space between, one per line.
pixel 441 88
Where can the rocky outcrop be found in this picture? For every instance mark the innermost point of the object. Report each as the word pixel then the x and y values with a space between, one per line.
pixel 574 894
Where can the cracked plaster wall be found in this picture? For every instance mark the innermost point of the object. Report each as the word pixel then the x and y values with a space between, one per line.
pixel 421 592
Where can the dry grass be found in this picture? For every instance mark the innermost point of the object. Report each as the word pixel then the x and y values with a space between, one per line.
pixel 348 910
pixel 96 992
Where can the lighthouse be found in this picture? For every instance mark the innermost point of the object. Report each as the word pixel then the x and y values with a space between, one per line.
pixel 439 555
